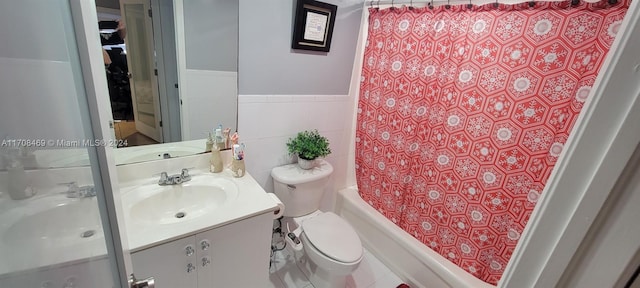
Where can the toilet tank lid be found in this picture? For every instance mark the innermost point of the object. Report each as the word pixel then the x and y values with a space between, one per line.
pixel 292 174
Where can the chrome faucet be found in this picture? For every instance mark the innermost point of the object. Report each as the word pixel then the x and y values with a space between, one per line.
pixel 76 191
pixel 165 179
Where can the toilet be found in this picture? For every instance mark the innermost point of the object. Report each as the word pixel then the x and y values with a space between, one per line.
pixel 328 241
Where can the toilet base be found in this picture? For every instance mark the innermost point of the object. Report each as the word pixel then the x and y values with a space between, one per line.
pixel 320 278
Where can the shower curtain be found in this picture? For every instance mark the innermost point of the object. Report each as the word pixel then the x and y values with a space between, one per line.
pixel 463 113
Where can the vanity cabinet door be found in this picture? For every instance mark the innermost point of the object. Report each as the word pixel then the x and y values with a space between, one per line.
pixel 94 274
pixel 235 255
pixel 172 264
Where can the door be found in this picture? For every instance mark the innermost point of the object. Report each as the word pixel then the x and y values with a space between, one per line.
pixel 49 235
pixel 173 264
pixel 142 67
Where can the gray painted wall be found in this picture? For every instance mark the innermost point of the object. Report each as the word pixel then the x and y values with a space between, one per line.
pixel 112 4
pixel 268 65
pixel 211 34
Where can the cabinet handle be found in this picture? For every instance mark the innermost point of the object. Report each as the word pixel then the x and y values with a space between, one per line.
pixel 204 244
pixel 189 249
pixel 205 261
pixel 190 267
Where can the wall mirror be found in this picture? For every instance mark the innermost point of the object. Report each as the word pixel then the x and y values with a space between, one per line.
pixel 171 81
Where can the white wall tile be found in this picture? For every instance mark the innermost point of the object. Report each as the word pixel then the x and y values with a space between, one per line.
pixel 266 126
pixel 252 98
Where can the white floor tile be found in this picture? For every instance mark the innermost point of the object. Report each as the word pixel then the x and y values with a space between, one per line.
pixel 388 281
pixel 274 281
pixel 370 274
pixel 287 270
pixel 369 271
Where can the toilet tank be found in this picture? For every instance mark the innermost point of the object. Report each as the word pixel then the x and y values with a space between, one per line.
pixel 300 190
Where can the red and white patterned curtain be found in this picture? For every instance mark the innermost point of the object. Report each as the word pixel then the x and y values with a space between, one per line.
pixel 464 112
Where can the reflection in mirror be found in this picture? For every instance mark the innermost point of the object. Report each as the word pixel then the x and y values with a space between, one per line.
pixel 182 67
pixel 182 90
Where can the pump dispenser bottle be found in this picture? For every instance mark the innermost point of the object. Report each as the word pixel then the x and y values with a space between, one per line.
pixel 209 143
pixel 219 140
pixel 215 163
pixel 17 181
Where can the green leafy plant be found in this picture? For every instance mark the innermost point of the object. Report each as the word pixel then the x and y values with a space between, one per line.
pixel 309 145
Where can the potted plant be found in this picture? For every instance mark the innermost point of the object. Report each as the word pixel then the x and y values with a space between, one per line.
pixel 308 145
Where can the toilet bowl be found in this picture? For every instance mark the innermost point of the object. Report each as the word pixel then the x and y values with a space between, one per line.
pixel 331 245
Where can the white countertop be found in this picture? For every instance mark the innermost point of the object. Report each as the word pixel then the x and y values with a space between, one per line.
pixel 22 256
pixel 252 200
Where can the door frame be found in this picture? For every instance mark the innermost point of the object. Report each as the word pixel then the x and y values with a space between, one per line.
pixel 155 132
pixel 164 38
pixel 84 17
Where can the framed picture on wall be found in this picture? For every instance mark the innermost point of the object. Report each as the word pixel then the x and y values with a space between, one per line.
pixel 313 25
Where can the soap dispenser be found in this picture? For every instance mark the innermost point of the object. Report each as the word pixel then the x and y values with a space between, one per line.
pixel 219 140
pixel 17 181
pixel 215 163
pixel 209 144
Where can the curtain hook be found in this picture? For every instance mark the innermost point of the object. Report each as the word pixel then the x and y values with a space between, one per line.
pixel 392 7
pixel 411 5
pixel 613 2
pixel 469 6
pixel 496 4
pixel 575 2
pixel 448 5
pixel 532 3
pixel 431 4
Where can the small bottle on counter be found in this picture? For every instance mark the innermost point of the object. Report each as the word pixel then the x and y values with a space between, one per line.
pixel 17 181
pixel 209 143
pixel 225 138
pixel 219 140
pixel 237 164
pixel 215 163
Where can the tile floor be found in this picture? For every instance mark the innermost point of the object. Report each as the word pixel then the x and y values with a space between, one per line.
pixel 284 273
pixel 126 130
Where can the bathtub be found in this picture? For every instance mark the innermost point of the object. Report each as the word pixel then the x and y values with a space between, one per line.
pixel 403 254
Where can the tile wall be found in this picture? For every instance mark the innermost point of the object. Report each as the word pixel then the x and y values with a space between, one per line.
pixel 266 122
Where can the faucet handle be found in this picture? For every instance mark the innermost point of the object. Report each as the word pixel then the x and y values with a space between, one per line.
pixel 73 190
pixel 185 173
pixel 73 185
pixel 164 177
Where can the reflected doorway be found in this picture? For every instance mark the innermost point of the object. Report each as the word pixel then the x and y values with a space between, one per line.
pixel 134 42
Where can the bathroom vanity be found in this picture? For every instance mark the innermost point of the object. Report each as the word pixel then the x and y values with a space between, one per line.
pixel 211 231
pixel 233 255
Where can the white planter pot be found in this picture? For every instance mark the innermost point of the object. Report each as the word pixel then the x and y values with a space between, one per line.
pixel 306 164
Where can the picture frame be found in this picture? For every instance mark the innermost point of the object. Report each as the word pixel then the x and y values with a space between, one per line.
pixel 313 26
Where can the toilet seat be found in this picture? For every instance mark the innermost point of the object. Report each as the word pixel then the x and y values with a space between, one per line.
pixel 334 237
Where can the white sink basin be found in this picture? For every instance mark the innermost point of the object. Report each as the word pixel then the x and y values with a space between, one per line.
pixel 54 221
pixel 170 204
